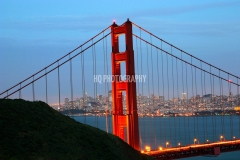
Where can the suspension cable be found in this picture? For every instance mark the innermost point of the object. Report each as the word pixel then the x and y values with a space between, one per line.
pixel 183 51
pixel 80 46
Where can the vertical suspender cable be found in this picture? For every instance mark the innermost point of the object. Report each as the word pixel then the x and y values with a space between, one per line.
pixel 138 102
pixel 169 123
pixel 151 138
pixel 20 89
pixel 212 105
pixel 144 136
pixel 59 91
pixel 183 103
pixel 107 84
pixel 220 84
pixel 202 102
pixel 180 138
pixel 215 133
pixel 230 101
pixel 205 106
pixel 71 85
pixel 165 127
pixel 174 101
pixel 193 100
pixel 33 92
pixel 105 81
pixel 187 97
pixel 83 85
pixel 96 86
pixel 197 100
pixel 46 85
pixel 94 89
pixel 154 127
pixel 160 131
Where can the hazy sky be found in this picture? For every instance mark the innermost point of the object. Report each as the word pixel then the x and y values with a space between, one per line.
pixel 34 33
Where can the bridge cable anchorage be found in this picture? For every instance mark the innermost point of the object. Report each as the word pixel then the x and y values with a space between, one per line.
pixel 55 62
pixel 59 90
pixel 183 51
pixel 46 85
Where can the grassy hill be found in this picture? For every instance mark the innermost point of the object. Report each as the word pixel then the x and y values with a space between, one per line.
pixel 33 130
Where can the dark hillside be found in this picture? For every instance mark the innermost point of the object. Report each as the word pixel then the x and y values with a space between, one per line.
pixel 33 130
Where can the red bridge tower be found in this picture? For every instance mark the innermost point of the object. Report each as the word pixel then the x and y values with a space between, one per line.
pixel 121 122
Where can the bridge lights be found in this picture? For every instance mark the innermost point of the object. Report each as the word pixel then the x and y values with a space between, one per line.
pixel 207 141
pixel 142 151
pixel 160 148
pixel 167 144
pixel 221 137
pixel 195 140
pixel 234 138
pixel 148 148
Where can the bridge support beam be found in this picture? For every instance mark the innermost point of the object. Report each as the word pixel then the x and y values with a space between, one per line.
pixel 121 120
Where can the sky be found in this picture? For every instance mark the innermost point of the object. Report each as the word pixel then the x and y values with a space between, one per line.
pixel 35 33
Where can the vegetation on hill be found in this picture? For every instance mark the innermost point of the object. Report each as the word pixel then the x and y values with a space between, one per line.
pixel 33 130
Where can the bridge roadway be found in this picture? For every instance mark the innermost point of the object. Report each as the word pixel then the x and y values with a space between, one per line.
pixel 195 150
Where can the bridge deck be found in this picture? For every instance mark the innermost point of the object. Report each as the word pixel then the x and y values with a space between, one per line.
pixel 194 150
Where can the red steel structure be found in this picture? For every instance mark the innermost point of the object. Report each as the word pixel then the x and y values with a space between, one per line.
pixel 121 122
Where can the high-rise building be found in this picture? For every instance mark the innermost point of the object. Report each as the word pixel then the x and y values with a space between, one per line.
pixel 66 102
pixel 184 96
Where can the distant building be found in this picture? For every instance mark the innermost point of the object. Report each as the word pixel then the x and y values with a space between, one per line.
pixel 66 102
pixel 184 96
pixel 110 96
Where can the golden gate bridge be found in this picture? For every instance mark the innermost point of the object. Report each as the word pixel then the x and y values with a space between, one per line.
pixel 147 77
